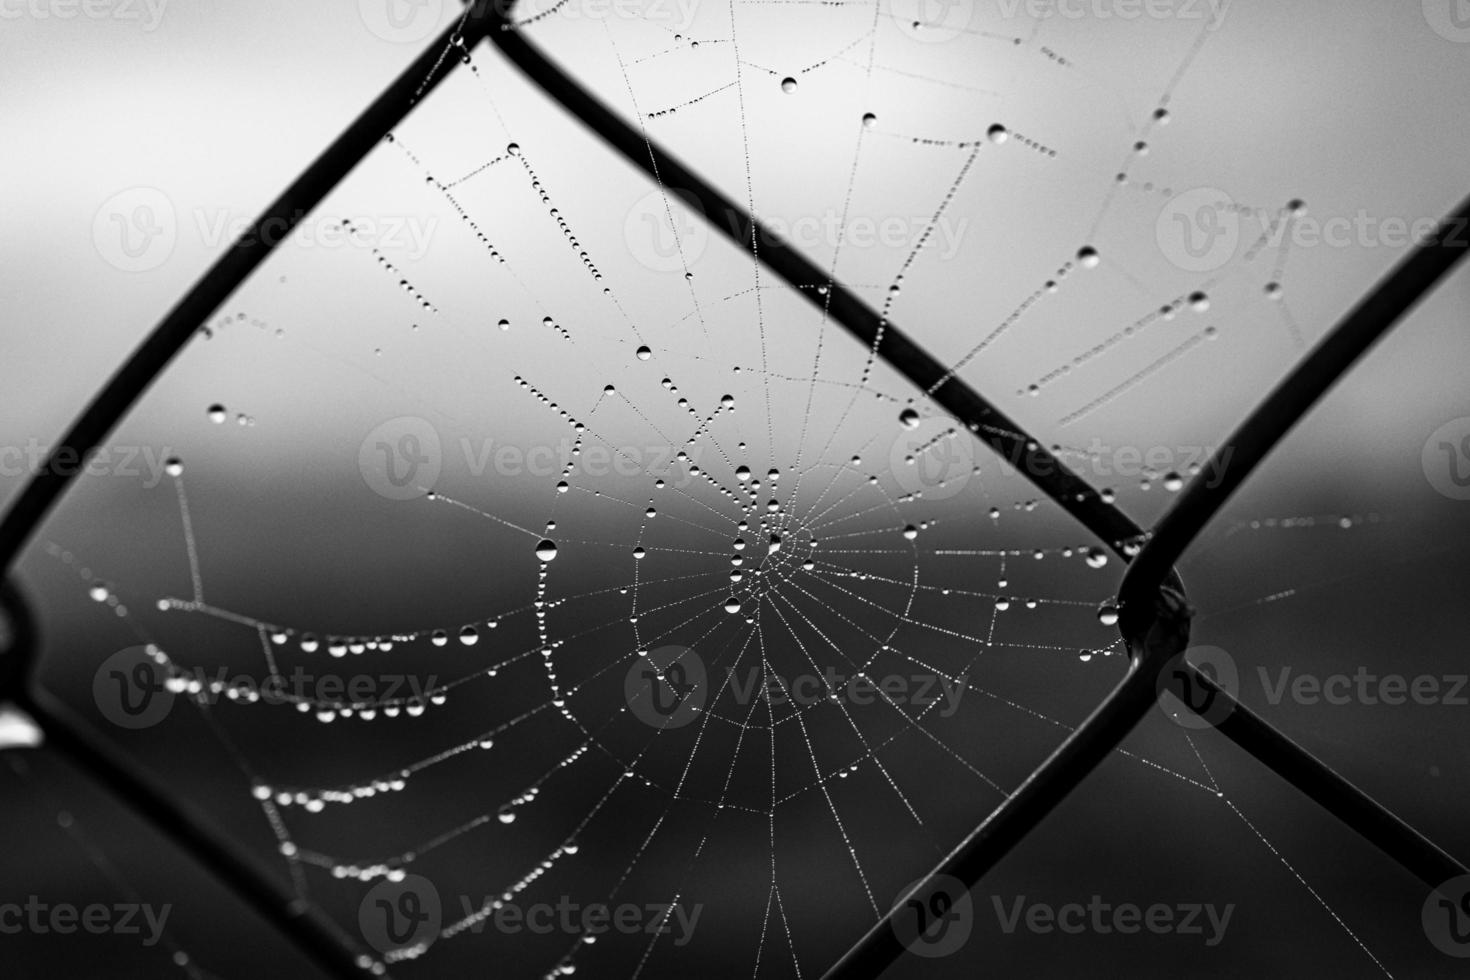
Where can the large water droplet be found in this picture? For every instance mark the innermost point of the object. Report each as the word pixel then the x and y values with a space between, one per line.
pixel 909 418
pixel 1087 257
pixel 644 353
pixel 1107 614
pixel 788 85
pixel 732 605
pixel 742 473
pixel 1199 302
pixel 1096 557
pixel 546 550
pixel 911 532
pixel 1173 482
pixel 469 636
pixel 998 134
pixel 217 414
pixel 869 120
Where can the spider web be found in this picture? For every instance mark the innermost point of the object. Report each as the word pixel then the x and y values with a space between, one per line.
pixel 584 479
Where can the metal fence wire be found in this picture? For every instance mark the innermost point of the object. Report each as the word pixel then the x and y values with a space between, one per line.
pixel 1154 610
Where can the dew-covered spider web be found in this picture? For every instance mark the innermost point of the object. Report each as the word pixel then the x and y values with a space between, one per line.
pixel 618 572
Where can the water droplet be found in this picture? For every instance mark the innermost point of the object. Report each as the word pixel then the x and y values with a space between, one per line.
pixel 998 134
pixel 644 353
pixel 909 418
pixel 1273 290
pixel 911 532
pixel 869 120
pixel 1096 557
pixel 174 466
pixel 1087 257
pixel 504 324
pixel 1173 482
pixel 98 593
pixel 788 85
pixel 1199 302
pixel 742 473
pixel 469 636
pixel 732 605
pixel 546 550
pixel 774 545
pixel 507 813
pixel 439 638
pixel 1107 614
pixel 217 414
pixel 639 552
pixel 1161 116
pixel 773 475
pixel 514 149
